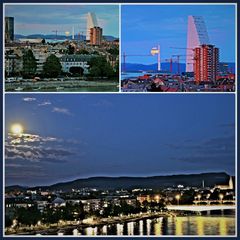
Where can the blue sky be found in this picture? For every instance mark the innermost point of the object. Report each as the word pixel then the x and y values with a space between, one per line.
pixel 143 27
pixel 76 136
pixel 32 19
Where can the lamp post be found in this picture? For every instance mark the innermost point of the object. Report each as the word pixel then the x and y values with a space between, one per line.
pixel 178 198
pixel 199 197
pixel 221 196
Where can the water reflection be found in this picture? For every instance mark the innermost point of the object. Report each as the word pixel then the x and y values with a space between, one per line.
pixel 222 225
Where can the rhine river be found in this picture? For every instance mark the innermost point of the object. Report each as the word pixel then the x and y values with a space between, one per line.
pixel 221 224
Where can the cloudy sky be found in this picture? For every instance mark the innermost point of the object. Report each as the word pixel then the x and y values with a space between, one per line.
pixel 76 136
pixel 36 19
pixel 144 27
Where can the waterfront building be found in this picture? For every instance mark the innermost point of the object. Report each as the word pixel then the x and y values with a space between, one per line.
pixel 228 186
pixel 95 36
pixel 206 65
pixel 76 60
pixel 196 35
pixel 91 22
pixel 13 64
pixel 9 29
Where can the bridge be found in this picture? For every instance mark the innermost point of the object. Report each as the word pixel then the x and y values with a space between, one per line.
pixel 201 208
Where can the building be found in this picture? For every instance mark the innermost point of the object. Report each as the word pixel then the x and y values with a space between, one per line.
pixel 197 35
pixel 95 36
pixel 91 22
pixel 9 29
pixel 206 63
pixel 76 61
pixel 228 186
pixel 13 64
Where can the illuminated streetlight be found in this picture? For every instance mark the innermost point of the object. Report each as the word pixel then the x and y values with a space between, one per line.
pixel 178 198
pixel 199 197
pixel 221 197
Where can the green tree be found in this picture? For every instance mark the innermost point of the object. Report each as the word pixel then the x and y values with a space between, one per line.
pixel 99 67
pixel 29 64
pixel 52 67
pixel 82 51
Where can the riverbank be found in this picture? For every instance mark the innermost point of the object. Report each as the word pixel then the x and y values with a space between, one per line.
pixel 50 229
pixel 63 86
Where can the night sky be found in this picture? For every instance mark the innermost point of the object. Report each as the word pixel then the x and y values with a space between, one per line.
pixel 69 136
pixel 43 19
pixel 144 27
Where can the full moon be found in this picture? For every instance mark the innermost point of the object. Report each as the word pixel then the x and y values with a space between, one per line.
pixel 17 129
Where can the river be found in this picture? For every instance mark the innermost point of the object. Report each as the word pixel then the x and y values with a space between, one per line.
pixel 209 224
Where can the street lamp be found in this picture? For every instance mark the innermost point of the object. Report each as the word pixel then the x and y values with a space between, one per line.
pixel 178 198
pixel 221 197
pixel 199 197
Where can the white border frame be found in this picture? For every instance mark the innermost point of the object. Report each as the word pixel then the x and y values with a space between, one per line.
pixel 119 92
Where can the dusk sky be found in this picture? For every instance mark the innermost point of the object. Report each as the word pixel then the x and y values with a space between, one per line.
pixel 70 136
pixel 43 19
pixel 144 27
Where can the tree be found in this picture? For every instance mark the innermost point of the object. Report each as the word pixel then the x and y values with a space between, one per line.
pixel 52 67
pixel 29 64
pixel 82 51
pixel 29 216
pixel 71 49
pixel 99 67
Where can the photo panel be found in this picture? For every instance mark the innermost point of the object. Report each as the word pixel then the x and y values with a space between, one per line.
pixel 98 165
pixel 178 48
pixel 61 48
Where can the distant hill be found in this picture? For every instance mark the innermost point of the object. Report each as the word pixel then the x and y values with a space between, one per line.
pixel 59 37
pixel 131 67
pixel 155 182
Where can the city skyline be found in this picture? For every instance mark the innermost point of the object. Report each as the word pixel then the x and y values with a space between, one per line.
pixel 70 136
pixel 44 19
pixel 144 27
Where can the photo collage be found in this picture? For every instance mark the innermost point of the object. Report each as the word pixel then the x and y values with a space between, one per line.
pixel 119 119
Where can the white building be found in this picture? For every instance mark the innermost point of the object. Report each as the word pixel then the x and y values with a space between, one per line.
pixel 197 35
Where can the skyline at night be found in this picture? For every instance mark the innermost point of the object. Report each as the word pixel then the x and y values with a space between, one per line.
pixel 144 27
pixel 66 137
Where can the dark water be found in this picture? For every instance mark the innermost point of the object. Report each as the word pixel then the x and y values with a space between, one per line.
pixel 183 225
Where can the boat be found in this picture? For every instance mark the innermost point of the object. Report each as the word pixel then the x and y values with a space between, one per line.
pixel 18 89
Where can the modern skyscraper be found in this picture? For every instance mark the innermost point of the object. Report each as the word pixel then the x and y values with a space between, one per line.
pixel 9 29
pixel 197 35
pixel 96 36
pixel 206 65
pixel 91 23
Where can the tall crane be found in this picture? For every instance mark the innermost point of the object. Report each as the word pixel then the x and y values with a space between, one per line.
pixel 178 59
pixel 171 61
pixel 132 55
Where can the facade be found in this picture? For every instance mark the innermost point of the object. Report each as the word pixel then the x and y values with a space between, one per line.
pixel 74 60
pixel 9 29
pixel 13 64
pixel 95 36
pixel 91 22
pixel 206 63
pixel 197 35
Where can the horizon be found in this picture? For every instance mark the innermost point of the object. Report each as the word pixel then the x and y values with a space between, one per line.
pixel 44 19
pixel 144 27
pixel 122 176
pixel 133 135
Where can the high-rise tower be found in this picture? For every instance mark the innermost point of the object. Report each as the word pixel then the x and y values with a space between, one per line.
pixel 9 29
pixel 197 35
pixel 91 23
pixel 206 66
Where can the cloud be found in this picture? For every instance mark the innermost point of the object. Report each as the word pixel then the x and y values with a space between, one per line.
pixel 212 151
pixel 35 148
pixel 61 110
pixel 46 103
pixel 29 99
